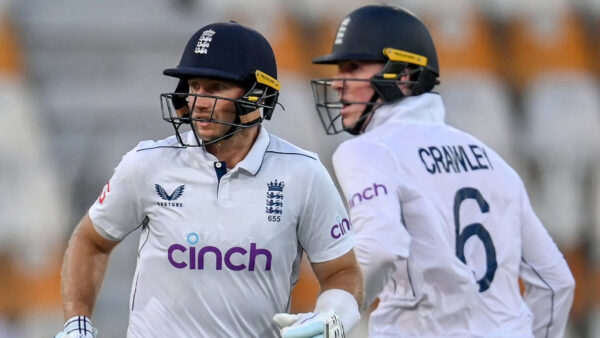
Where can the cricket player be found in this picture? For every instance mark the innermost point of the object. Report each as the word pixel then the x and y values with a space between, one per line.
pixel 431 207
pixel 225 210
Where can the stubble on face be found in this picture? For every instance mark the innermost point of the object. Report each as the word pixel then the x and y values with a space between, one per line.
pixel 211 108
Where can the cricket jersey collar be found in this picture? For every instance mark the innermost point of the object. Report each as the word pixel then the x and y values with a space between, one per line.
pixel 199 153
pixel 251 163
pixel 253 160
pixel 426 108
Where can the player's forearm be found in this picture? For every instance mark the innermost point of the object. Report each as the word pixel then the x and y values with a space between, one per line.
pixel 83 270
pixel 349 280
pixel 82 275
pixel 341 289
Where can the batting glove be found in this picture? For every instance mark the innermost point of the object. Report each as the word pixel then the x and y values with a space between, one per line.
pixel 310 325
pixel 78 327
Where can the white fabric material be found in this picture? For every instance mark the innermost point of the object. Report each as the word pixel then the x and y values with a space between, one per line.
pixel 78 327
pixel 410 180
pixel 335 314
pixel 342 303
pixel 245 234
pixel 309 324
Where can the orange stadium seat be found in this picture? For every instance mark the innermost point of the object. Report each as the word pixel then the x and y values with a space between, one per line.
pixel 563 124
pixel 488 116
pixel 585 283
pixel 320 44
pixel 22 290
pixel 595 41
pixel 29 287
pixel 289 43
pixel 306 291
pixel 538 43
pixel 296 43
pixel 10 56
pixel 464 40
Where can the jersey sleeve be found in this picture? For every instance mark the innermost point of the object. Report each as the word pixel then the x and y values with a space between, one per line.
pixel 324 229
pixel 549 284
pixel 366 173
pixel 117 211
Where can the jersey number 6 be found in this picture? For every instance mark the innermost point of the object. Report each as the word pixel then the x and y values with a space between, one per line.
pixel 475 229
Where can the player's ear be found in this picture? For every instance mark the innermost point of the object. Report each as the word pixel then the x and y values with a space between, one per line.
pixel 180 102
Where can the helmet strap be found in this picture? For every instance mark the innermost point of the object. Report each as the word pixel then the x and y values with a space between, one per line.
pixel 249 119
pixel 360 125
pixel 422 80
pixel 232 130
pixel 388 89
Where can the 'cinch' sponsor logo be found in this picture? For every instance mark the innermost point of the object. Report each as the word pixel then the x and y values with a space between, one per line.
pixel 340 229
pixel 368 193
pixel 235 258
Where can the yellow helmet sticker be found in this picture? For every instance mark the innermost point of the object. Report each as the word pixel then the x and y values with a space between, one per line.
pixel 402 56
pixel 267 80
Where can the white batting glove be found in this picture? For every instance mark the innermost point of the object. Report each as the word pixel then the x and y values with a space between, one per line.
pixel 78 327
pixel 310 325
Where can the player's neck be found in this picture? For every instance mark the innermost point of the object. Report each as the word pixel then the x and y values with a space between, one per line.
pixel 234 149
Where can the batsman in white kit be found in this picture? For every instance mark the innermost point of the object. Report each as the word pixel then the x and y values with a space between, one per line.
pixel 226 211
pixel 443 226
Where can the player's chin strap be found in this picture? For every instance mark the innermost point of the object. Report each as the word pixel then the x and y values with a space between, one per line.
pixel 241 122
pixel 389 90
pixel 248 112
pixel 361 124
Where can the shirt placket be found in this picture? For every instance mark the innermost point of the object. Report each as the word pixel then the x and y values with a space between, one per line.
pixel 223 181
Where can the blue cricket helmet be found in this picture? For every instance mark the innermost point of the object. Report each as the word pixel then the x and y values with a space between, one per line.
pixel 367 31
pixel 385 34
pixel 226 50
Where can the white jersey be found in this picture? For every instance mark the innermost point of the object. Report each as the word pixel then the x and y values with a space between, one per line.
pixel 422 190
pixel 220 249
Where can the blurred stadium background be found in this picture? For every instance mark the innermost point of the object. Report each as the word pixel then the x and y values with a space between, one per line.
pixel 79 87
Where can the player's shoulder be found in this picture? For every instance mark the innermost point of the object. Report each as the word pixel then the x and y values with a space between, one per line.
pixel 498 162
pixel 363 148
pixel 284 150
pixel 169 143
pixel 282 155
pixel 150 150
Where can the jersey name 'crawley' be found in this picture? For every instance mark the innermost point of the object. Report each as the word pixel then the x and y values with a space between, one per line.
pixel 454 158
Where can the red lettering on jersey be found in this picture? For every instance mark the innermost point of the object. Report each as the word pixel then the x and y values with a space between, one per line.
pixel 104 192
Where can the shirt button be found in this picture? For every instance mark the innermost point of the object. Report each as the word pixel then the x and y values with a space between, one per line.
pixel 218 164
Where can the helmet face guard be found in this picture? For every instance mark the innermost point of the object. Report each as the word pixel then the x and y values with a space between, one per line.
pixel 262 94
pixel 329 105
pixel 329 102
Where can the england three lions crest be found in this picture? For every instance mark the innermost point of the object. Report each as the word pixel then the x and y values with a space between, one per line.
pixel 274 207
